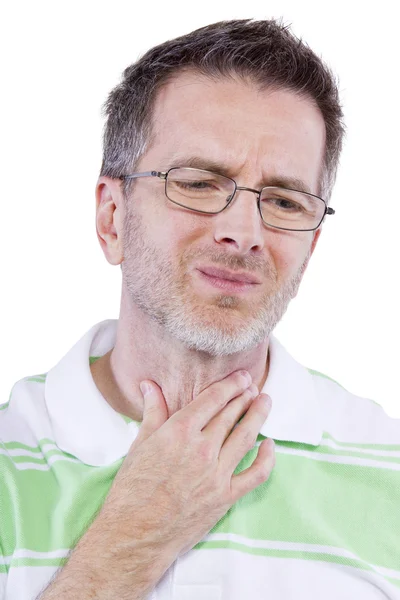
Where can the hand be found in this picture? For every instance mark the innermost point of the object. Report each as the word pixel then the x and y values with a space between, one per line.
pixel 177 480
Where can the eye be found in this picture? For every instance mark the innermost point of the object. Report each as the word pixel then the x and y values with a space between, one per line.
pixel 284 204
pixel 194 185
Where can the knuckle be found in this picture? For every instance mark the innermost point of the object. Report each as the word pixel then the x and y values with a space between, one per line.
pixel 247 395
pixel 226 425
pixel 263 472
pixel 241 381
pixel 224 422
pixel 184 427
pixel 253 390
pixel 248 439
pixel 215 393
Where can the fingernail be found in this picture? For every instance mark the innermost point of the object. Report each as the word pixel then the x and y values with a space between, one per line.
pixel 268 400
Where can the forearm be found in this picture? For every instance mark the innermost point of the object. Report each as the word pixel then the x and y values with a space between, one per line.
pixel 102 567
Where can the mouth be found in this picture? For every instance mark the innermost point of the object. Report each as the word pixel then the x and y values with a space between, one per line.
pixel 242 277
pixel 227 285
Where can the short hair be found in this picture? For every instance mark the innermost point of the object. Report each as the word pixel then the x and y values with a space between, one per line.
pixel 264 52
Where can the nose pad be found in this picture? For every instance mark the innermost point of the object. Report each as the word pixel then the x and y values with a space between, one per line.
pixel 229 198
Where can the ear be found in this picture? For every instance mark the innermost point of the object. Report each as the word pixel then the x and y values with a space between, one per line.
pixel 315 240
pixel 313 244
pixel 109 215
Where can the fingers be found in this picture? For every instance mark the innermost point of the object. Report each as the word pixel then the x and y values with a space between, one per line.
pixel 220 427
pixel 258 473
pixel 213 399
pixel 197 413
pixel 155 412
pixel 244 436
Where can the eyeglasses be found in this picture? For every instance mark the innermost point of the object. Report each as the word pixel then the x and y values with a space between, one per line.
pixel 211 193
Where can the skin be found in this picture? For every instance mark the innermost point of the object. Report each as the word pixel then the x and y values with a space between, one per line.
pixel 173 329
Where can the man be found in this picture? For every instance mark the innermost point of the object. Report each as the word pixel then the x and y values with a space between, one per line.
pixel 220 153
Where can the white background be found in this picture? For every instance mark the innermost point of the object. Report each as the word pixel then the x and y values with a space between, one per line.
pixel 60 60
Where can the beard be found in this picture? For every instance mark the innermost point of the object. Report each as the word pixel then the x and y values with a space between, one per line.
pixel 218 325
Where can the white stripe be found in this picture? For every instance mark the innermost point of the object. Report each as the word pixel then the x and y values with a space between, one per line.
pixel 24 553
pixel 298 547
pixel 344 460
pixel 245 541
pixel 35 466
pixel 375 452
pixel 47 447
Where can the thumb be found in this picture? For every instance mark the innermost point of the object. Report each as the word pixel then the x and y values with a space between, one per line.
pixel 155 412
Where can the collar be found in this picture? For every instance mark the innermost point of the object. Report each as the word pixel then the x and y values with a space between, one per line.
pixel 87 427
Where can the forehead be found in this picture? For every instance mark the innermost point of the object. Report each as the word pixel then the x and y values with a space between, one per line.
pixel 253 132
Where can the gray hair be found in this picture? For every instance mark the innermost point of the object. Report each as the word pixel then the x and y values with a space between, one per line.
pixel 264 52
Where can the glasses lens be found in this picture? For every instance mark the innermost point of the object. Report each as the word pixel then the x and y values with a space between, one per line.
pixel 198 189
pixel 291 210
pixel 209 192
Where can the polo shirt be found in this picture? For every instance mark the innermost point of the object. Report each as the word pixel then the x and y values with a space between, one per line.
pixel 326 524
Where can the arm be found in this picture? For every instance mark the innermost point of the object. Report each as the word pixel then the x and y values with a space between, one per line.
pixel 103 567
pixel 164 498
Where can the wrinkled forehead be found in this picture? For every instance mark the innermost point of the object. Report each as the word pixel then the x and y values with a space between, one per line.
pixel 249 130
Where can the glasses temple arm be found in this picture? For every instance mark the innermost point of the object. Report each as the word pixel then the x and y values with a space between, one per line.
pixel 145 174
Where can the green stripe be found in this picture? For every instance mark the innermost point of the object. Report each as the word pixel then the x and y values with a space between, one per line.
pixel 128 419
pixel 297 554
pixel 39 449
pixel 93 359
pixel 324 376
pixel 387 447
pixel 304 500
pixel 226 545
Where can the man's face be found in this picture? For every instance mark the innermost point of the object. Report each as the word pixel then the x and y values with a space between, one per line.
pixel 256 136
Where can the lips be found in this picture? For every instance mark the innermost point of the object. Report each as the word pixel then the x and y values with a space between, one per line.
pixel 230 275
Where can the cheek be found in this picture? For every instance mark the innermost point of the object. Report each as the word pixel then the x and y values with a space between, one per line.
pixel 154 222
pixel 289 252
pixel 169 240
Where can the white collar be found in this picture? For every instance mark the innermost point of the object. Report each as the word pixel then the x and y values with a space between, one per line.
pixel 86 426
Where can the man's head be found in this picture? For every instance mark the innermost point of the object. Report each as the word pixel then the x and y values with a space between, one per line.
pixel 252 98
pixel 264 52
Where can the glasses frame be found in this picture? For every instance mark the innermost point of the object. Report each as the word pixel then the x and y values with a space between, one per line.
pixel 164 175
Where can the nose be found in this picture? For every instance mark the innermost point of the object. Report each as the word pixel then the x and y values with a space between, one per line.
pixel 240 224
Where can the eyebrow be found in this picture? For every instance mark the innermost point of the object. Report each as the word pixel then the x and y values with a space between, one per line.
pixel 196 162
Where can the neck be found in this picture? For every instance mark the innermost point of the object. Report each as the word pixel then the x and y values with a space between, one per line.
pixel 144 351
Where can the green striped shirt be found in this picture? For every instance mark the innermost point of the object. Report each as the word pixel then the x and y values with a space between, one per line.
pixel 326 524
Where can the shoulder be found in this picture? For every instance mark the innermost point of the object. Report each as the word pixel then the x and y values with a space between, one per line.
pixel 351 415
pixel 25 407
